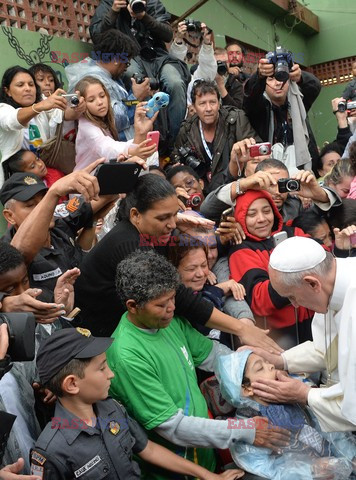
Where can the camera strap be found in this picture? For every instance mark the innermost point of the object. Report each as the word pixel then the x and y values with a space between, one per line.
pixel 130 103
pixel 205 145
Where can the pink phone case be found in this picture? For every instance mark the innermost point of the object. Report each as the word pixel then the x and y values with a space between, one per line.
pixel 154 137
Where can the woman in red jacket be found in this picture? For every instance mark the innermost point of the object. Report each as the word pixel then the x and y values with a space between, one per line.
pixel 260 220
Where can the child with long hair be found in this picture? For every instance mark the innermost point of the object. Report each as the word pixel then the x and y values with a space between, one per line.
pixel 97 135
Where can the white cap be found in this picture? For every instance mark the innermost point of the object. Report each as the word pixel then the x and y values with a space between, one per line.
pixel 297 254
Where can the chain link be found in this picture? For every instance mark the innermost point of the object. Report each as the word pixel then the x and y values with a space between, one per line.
pixel 35 56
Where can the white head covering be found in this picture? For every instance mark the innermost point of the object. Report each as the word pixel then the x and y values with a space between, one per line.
pixel 297 254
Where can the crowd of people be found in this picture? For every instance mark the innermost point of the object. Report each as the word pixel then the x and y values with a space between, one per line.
pixel 199 323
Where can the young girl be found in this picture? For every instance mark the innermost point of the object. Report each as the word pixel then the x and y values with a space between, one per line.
pixel 97 135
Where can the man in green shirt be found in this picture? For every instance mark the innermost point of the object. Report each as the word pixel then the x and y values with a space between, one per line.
pixel 154 356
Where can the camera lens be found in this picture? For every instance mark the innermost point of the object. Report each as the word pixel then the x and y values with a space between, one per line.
pixel 74 101
pixel 292 186
pixel 341 107
pixel 281 71
pixel 195 200
pixel 263 150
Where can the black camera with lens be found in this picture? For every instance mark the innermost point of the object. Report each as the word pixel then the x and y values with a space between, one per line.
pixel 186 156
pixel 154 83
pixel 193 26
pixel 137 6
pixel 343 106
pixel 288 185
pixel 21 329
pixel 283 63
pixel 147 51
pixel 222 67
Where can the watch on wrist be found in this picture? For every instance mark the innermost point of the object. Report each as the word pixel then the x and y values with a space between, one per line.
pixel 238 190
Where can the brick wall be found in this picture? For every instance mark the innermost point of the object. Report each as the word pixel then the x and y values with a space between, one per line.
pixel 62 18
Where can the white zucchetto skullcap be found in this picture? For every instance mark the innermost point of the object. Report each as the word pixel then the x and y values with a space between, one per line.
pixel 297 254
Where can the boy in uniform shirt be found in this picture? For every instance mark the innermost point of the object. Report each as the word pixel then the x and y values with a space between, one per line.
pixel 91 436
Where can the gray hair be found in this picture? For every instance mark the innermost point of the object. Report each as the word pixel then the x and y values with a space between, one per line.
pixel 294 279
pixel 9 204
pixel 144 276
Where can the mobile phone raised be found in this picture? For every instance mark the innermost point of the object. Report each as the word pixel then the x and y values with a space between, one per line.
pixel 229 212
pixel 115 178
pixel 154 137
pixel 158 101
pixel 279 238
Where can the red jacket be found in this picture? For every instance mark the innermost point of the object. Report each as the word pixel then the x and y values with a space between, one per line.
pixel 249 266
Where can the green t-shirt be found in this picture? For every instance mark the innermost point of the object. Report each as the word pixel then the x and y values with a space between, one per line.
pixel 155 377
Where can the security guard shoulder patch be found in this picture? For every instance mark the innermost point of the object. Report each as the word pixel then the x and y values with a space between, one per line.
pixel 37 457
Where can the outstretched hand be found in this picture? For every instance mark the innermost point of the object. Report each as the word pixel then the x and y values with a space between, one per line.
pixel 11 472
pixel 64 289
pixel 257 337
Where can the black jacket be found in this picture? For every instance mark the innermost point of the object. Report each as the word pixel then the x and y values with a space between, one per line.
pixel 95 293
pixel 233 126
pixel 235 90
pixel 258 108
pixel 154 23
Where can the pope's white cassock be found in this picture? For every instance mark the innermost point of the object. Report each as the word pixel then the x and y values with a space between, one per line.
pixel 333 350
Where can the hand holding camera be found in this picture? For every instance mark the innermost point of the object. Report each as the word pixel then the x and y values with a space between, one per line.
pixel 140 87
pixel 282 62
pixel 56 100
pixel 309 186
pixel 117 5
pixel 265 68
pixel 181 30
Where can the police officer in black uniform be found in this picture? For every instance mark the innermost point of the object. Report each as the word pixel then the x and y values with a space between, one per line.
pixel 48 243
pixel 91 437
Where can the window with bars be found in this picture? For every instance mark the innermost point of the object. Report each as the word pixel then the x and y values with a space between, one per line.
pixel 335 72
pixel 68 19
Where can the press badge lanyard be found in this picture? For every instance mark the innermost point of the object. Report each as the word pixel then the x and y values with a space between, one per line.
pixel 205 145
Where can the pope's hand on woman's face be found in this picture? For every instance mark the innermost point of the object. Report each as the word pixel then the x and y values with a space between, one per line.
pixel 283 390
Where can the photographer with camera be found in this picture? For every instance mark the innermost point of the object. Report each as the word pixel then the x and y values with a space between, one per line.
pixel 146 23
pixel 206 140
pixel 277 99
pixel 230 79
pixel 207 65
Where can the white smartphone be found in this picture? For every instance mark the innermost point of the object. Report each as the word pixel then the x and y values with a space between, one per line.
pixel 279 237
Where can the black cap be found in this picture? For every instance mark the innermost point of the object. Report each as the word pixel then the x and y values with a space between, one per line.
pixel 62 346
pixel 21 186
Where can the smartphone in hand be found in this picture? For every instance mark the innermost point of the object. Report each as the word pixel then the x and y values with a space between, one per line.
pixel 154 137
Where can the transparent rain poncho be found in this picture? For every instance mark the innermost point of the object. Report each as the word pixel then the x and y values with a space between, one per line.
pixel 312 454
